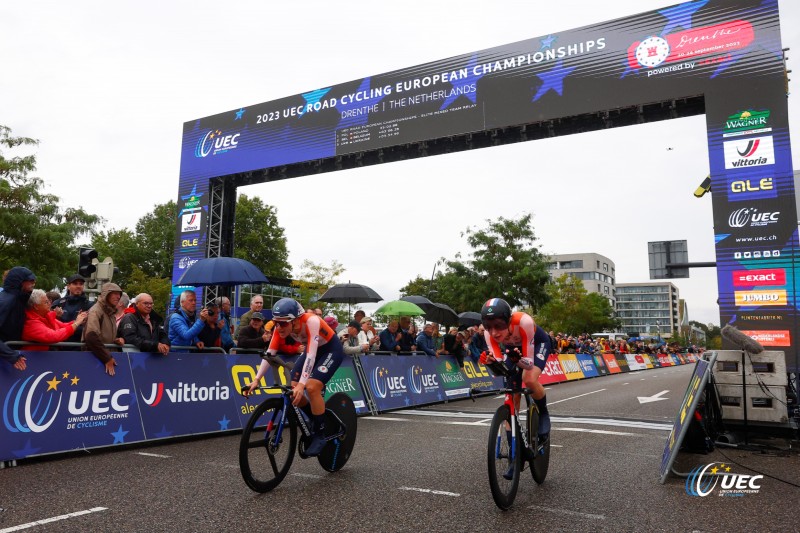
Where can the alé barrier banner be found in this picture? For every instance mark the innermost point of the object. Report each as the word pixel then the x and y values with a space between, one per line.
pixel 405 381
pixel 727 52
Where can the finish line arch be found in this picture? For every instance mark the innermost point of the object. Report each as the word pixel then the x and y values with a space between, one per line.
pixel 721 58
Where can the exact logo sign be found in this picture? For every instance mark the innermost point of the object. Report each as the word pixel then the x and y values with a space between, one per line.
pixel 744 153
pixel 750 298
pixel 754 278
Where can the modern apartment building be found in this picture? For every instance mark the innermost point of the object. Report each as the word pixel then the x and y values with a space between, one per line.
pixel 596 271
pixel 649 308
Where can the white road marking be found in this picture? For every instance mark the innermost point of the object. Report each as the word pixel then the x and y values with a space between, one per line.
pixel 380 417
pixel 456 438
pixel 312 476
pixel 430 491
pixel 573 397
pixel 626 383
pixel 146 454
pixel 598 431
pixel 653 398
pixel 567 512
pixel 53 519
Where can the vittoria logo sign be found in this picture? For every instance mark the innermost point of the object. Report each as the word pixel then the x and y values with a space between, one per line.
pixel 744 153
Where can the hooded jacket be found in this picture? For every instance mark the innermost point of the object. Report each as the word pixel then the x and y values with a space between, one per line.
pixel 13 303
pixel 101 325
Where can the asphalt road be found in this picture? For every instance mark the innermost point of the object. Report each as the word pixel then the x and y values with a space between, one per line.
pixel 420 470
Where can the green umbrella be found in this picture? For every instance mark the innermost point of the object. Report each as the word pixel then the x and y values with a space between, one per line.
pixel 400 308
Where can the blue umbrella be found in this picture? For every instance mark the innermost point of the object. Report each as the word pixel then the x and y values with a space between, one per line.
pixel 222 271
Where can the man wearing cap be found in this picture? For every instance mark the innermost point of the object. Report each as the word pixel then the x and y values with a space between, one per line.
pixel 349 337
pixel 256 305
pixel 73 303
pixel 17 287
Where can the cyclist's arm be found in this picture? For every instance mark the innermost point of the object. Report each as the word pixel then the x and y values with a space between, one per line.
pixel 312 328
pixel 274 345
pixel 493 347
pixel 532 342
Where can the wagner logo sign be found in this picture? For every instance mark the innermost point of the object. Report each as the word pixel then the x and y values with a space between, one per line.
pixel 754 278
pixel 749 298
pixel 744 153
pixel 747 123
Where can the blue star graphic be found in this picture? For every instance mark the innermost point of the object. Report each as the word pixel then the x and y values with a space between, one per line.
pixel 193 193
pixel 239 114
pixel 553 79
pixel 548 42
pixel 139 361
pixel 407 401
pixel 680 16
pixel 365 102
pixel 470 79
pixel 26 450
pixel 439 396
pixel 163 433
pixel 223 424
pixel 119 435
pixel 314 96
pixel 206 361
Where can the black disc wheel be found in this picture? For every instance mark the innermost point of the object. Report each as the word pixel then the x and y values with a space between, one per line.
pixel 540 461
pixel 265 458
pixel 337 451
pixel 502 455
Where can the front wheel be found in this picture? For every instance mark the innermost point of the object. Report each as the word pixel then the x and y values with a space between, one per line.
pixel 264 457
pixel 502 455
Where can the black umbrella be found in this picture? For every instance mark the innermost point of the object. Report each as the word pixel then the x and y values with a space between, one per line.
pixel 442 314
pixel 424 304
pixel 469 318
pixel 350 293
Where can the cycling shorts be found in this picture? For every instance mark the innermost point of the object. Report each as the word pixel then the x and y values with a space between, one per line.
pixel 329 357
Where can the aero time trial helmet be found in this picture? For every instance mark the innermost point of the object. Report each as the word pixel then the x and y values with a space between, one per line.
pixel 287 309
pixel 495 308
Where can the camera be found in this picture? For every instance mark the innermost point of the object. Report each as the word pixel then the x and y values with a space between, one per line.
pixel 211 310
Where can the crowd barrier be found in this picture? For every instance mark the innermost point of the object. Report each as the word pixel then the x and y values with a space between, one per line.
pixel 65 401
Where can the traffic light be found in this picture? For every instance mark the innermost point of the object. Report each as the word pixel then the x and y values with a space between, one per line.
pixel 85 265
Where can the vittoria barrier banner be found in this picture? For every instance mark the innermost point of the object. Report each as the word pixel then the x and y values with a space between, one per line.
pixel 727 52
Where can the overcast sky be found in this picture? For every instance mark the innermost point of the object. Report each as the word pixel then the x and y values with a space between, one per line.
pixel 107 86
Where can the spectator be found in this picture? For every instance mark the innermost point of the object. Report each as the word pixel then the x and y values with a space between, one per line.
pixel 318 312
pixel 225 324
pixel 101 327
pixel 211 335
pixel 477 344
pixel 407 331
pixel 367 334
pixel 122 307
pixel 73 302
pixel 256 305
pixel 622 346
pixel 453 345
pixel 425 340
pixel 332 322
pixel 183 324
pixel 17 287
pixel 358 316
pixel 390 337
pixel 437 337
pixel 254 335
pixel 350 342
pixel 41 324
pixel 144 328
pixel 52 296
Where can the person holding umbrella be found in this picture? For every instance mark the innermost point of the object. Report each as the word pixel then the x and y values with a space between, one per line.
pixel 313 369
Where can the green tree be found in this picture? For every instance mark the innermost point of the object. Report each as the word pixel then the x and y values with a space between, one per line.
pixel 573 310
pixel 122 247
pixel 259 238
pixel 505 262
pixel 34 230
pixel 159 288
pixel 155 236
pixel 314 280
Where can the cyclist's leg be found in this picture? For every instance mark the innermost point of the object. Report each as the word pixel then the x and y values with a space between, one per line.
pixel 326 365
pixel 531 380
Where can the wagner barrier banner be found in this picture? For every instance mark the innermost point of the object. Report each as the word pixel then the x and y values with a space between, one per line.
pixel 571 367
pixel 587 365
pixel 65 401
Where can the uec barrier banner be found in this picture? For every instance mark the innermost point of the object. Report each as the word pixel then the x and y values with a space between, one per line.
pixel 65 401
pixel 404 381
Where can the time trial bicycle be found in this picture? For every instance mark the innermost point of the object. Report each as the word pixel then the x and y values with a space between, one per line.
pixel 270 439
pixel 522 449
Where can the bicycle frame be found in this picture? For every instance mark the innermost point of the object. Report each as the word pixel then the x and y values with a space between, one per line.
pixel 300 416
pixel 509 401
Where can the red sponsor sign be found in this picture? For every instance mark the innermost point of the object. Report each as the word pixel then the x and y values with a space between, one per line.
pixel 665 361
pixel 754 278
pixel 770 338
pixel 552 372
pixel 611 363
pixel 686 45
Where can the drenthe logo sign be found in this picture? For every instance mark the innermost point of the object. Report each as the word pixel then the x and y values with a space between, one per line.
pixel 703 480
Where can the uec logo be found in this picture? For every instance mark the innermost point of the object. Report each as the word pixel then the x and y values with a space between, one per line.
pixel 703 480
pixel 382 383
pixel 214 140
pixel 419 380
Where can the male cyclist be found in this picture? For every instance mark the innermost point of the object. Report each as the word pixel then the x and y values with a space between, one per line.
pixel 313 369
pixel 524 351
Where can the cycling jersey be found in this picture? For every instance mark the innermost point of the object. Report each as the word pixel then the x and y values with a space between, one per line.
pixel 533 343
pixel 319 339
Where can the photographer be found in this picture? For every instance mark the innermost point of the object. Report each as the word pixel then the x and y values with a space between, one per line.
pixel 211 333
pixel 184 325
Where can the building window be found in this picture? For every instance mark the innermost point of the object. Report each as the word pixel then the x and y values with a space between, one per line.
pixel 605 267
